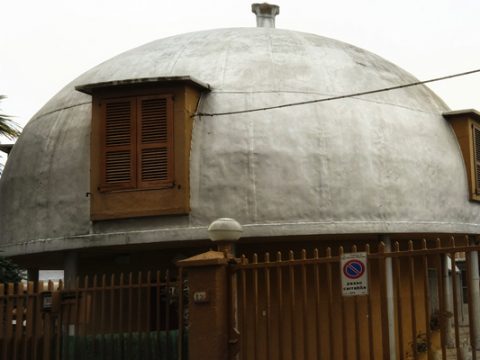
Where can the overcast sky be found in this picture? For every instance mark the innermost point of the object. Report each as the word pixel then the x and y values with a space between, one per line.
pixel 46 44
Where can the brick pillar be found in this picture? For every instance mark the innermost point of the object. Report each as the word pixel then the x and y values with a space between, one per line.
pixel 208 305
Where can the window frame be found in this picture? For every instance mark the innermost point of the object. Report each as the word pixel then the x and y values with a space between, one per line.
pixel 167 198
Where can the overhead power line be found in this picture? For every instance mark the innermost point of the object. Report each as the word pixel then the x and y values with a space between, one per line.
pixel 339 96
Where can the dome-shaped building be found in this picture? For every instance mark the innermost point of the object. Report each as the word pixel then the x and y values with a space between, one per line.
pixel 387 162
pixel 126 167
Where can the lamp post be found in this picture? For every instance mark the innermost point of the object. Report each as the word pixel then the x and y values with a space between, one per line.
pixel 225 232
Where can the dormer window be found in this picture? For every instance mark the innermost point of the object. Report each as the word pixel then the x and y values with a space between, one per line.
pixel 466 125
pixel 140 146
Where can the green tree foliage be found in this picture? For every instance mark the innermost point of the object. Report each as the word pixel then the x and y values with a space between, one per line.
pixel 8 127
pixel 10 272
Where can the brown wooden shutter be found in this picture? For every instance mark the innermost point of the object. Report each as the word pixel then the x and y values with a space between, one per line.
pixel 155 141
pixel 476 157
pixel 118 148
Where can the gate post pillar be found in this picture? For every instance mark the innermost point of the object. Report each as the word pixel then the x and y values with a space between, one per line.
pixel 208 305
pixel 212 291
pixel 475 291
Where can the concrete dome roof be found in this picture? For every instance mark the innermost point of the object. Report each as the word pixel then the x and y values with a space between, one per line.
pixel 382 163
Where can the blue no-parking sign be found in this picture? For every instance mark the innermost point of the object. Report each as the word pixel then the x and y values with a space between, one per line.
pixel 353 271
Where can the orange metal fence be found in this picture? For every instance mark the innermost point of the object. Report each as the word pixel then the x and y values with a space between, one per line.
pixel 290 306
pixel 137 316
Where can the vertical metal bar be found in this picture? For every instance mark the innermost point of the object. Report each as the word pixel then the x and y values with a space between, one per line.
pixel 139 310
pixel 306 345
pixel 390 298
pixel 130 315
pixel 268 307
pixel 29 318
pixel 397 277
pixel 147 316
pixel 471 320
pixel 140 306
pixel 442 311
pixel 14 317
pixel 167 313
pixel 291 270
pixel 113 311
pixel 474 292
pixel 47 336
pixel 112 304
pixel 384 300
pixel 73 317
pixel 280 304
pixel 3 323
pixel 24 341
pixel 371 344
pixel 8 322
pixel 233 312
pixel 181 324
pixel 76 318
pixel 94 326
pixel 449 329
pixel 17 335
pixel 121 328
pixel 244 333
pixel 59 321
pixel 454 297
pixel 426 299
pixel 84 317
pixel 316 280
pixel 328 264
pixel 256 310
pixel 38 323
pixel 344 317
pixel 63 322
pixel 357 320
pixel 411 260
pixel 103 316
pixel 158 309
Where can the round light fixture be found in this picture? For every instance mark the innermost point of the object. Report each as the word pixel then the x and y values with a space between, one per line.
pixel 225 229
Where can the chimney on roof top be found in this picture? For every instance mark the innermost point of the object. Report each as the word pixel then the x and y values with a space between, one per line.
pixel 265 14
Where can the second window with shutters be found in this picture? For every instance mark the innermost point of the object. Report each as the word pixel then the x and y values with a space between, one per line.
pixel 138 143
pixel 466 126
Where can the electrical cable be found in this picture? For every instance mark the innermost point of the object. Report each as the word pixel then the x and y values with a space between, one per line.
pixel 416 83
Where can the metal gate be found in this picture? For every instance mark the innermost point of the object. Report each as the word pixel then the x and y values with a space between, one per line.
pixel 290 306
pixel 134 316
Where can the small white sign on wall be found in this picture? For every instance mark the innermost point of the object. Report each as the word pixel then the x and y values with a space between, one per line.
pixel 354 274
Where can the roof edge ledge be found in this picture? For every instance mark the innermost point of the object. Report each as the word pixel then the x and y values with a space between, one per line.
pixel 162 80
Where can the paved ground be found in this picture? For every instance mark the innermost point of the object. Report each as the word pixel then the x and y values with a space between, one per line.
pixel 465 353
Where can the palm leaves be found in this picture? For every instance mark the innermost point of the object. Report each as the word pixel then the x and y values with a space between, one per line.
pixel 8 127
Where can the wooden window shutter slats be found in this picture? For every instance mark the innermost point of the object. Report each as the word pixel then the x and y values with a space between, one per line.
pixel 154 164
pixel 137 143
pixel 118 123
pixel 154 120
pixel 155 141
pixel 117 167
pixel 118 148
